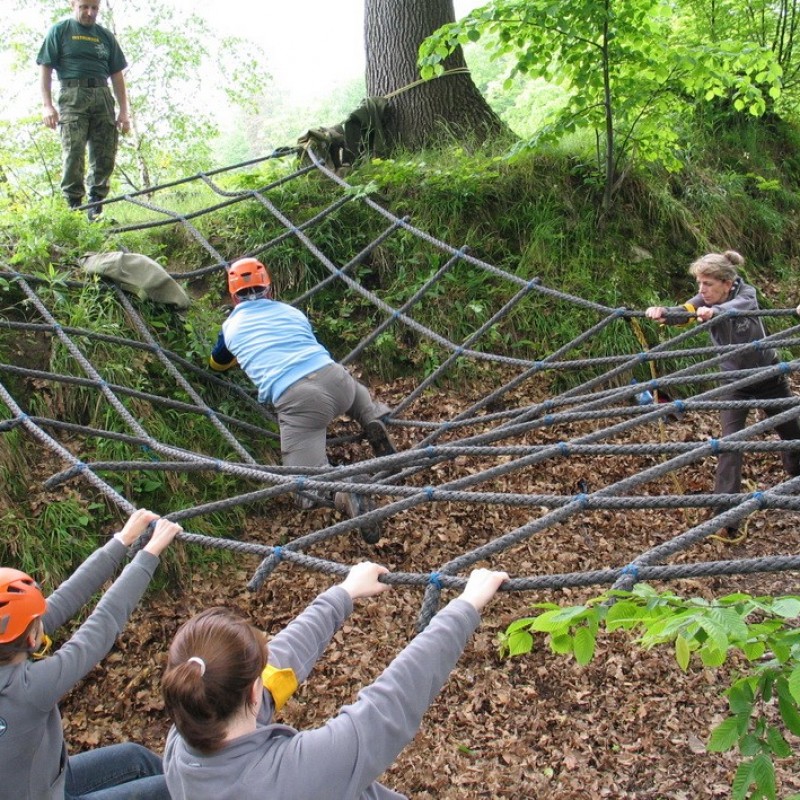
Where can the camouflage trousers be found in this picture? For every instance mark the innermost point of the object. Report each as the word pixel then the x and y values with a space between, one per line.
pixel 87 117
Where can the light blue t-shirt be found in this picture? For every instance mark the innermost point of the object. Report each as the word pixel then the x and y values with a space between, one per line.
pixel 274 344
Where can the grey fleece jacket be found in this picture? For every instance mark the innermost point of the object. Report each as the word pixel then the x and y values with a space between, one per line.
pixel 33 755
pixel 737 330
pixel 343 758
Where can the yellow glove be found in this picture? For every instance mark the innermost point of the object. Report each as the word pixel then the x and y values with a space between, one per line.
pixel 280 683
pixel 217 367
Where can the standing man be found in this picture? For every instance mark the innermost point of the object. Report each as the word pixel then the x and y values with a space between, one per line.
pixel 85 55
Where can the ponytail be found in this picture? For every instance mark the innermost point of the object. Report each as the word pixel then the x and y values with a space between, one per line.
pixel 213 662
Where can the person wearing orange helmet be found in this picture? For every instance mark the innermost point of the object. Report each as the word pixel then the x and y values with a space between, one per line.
pixel 274 344
pixel 33 754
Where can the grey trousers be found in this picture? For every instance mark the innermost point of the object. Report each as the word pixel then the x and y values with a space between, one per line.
pixel 728 479
pixel 309 405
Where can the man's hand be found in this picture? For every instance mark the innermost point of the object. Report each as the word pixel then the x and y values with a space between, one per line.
pixel 656 312
pixel 123 124
pixel 50 116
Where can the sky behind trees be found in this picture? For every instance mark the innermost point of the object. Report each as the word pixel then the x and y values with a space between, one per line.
pixel 311 46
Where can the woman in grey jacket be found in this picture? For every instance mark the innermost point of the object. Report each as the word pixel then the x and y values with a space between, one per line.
pixel 33 756
pixel 222 685
pixel 721 290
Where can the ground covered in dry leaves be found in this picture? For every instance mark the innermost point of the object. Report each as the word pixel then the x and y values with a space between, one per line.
pixel 629 725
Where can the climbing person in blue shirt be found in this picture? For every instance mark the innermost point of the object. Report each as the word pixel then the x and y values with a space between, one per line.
pixel 223 684
pixel 720 290
pixel 275 345
pixel 33 756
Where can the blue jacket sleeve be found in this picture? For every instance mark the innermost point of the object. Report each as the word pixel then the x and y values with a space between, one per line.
pixel 221 358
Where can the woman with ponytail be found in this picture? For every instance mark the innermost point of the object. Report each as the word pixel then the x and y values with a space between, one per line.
pixel 223 684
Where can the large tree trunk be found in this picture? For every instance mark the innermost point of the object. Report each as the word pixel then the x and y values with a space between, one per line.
pixel 423 114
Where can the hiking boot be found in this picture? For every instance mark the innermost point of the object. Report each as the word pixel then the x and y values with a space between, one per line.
pixel 74 203
pixel 354 505
pixel 95 212
pixel 378 438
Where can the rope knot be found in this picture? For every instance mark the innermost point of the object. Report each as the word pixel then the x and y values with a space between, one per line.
pixel 435 580
pixel 630 569
pixel 429 492
pixel 760 499
pixel 277 551
pixel 714 446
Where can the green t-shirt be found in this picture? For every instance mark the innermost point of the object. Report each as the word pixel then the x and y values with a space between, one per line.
pixel 80 51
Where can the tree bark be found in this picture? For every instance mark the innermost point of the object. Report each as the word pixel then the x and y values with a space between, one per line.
pixel 432 111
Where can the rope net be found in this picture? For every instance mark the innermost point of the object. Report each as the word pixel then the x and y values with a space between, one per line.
pixel 506 460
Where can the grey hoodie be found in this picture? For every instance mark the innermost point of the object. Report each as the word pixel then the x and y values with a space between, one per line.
pixel 735 329
pixel 343 758
pixel 32 750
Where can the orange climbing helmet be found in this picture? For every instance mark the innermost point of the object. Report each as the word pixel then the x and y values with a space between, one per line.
pixel 21 602
pixel 247 273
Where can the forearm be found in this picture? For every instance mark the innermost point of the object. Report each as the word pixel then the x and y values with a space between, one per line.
pixel 352 750
pixel 49 112
pixel 76 591
pixel 302 641
pixel 46 84
pixel 120 94
pixel 95 637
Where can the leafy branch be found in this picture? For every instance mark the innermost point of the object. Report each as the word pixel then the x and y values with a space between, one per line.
pixel 763 629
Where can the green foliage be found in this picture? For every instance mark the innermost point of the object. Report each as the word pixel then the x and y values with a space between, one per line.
pixel 628 68
pixel 763 630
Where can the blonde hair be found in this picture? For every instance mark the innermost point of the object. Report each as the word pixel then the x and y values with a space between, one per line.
pixel 721 266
